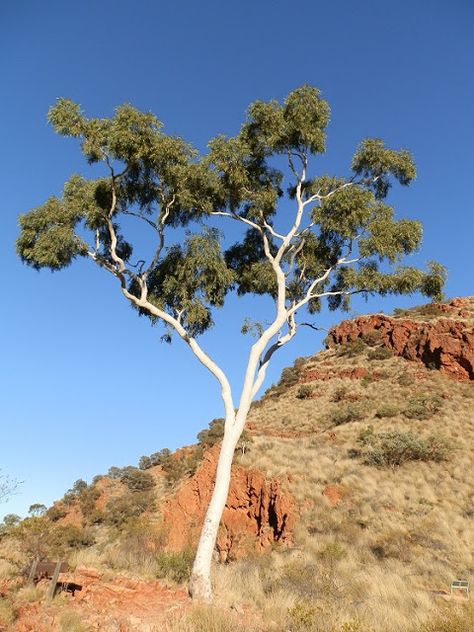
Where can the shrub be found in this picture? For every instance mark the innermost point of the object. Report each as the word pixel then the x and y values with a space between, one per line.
pixel 392 449
pixel 367 436
pixel 183 464
pixel 352 349
pixel 423 406
pixel 69 537
pixel 175 565
pixel 136 480
pixel 209 436
pixel 56 512
pixel 380 353
pixel 346 414
pixel 372 337
pixel 339 394
pixel 302 616
pixel 406 379
pixel 87 501
pixel 304 392
pixel 212 435
pixel 387 410
pixel 130 505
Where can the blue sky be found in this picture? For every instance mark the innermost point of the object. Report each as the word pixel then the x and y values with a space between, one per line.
pixel 84 383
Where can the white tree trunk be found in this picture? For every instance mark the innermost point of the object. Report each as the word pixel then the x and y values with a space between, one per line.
pixel 200 583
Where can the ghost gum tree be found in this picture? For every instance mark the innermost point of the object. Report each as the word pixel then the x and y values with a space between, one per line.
pixel 304 237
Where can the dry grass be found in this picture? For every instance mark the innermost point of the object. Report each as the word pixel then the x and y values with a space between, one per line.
pixel 407 532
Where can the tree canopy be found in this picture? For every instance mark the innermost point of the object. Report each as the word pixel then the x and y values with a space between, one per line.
pixel 343 224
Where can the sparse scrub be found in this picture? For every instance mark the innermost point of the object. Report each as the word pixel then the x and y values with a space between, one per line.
pixel 352 349
pixel 372 338
pixel 339 394
pixel 305 391
pixel 406 379
pixel 392 449
pixel 423 406
pixel 346 414
pixel 387 410
pixel 380 353
pixel 174 565
pixel 129 505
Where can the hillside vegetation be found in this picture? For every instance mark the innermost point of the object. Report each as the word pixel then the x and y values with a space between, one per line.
pixel 353 484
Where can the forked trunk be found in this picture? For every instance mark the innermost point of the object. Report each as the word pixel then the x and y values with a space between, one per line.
pixel 200 583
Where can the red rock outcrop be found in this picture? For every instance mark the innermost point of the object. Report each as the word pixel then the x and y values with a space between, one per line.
pixel 445 344
pixel 257 513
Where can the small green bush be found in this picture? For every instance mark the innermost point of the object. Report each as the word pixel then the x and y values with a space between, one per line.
pixel 66 537
pixel 353 348
pixel 119 511
pixel 392 449
pixel 305 391
pixel 339 394
pixel 302 616
pixel 137 480
pixel 174 565
pixel 387 410
pixel 406 379
pixel 345 415
pixel 372 338
pixel 380 353
pixel 423 406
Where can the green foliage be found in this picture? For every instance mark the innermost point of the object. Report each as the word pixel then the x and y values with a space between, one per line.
pixel 387 410
pixel 175 565
pixel 380 353
pixel 121 509
pixel 37 509
pixel 372 338
pixel 11 520
pixel 423 406
pixel 182 464
pixel 162 181
pixel 214 434
pixel 136 480
pixel 302 616
pixel 393 448
pixel 209 436
pixel 305 391
pixel 352 349
pixel 406 379
pixel 339 394
pixel 64 538
pixel 157 458
pixel 346 414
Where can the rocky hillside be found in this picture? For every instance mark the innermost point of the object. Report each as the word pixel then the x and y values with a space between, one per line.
pixel 351 506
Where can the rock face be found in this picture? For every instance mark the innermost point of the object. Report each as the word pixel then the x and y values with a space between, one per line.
pixel 257 513
pixel 446 344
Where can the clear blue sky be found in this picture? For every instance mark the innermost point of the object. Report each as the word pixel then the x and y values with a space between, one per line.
pixel 84 383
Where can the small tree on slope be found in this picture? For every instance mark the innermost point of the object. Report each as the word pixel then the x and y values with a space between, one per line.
pixel 331 238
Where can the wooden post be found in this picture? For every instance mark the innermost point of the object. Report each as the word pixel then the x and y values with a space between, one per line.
pixel 32 574
pixel 54 581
